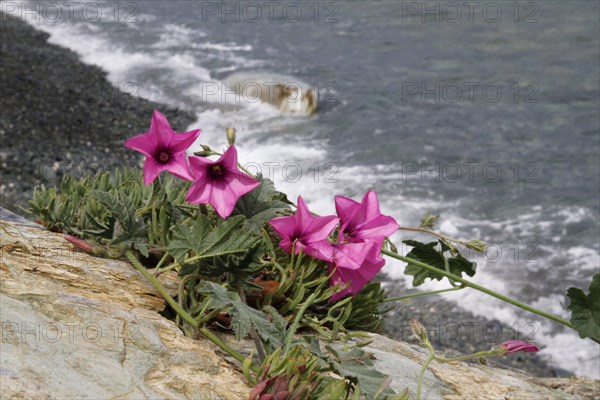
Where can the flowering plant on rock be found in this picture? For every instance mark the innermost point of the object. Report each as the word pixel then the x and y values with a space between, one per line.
pixel 251 262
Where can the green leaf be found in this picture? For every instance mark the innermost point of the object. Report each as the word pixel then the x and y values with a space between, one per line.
pixel 357 366
pixel 128 230
pixel 204 241
pixel 261 205
pixel 585 310
pixel 354 365
pixel 243 316
pixel 428 254
pixel 239 269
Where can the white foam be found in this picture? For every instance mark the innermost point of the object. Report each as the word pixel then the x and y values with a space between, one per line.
pixel 176 35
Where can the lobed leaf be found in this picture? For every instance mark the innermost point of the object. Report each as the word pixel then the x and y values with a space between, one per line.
pixel 585 310
pixel 428 254
pixel 261 205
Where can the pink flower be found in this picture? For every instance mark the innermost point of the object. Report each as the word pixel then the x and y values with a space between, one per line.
pixel 357 263
pixel 513 346
pixel 363 221
pixel 309 232
pixel 164 149
pixel 220 182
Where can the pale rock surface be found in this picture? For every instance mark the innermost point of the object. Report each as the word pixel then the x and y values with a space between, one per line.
pixel 76 326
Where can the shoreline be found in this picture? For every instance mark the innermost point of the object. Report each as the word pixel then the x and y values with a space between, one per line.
pixel 60 116
pixel 45 138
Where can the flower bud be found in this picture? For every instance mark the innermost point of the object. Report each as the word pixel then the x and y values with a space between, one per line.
pixel 428 220
pixel 203 153
pixel 476 245
pixel 230 133
pixel 513 346
pixel 80 244
pixel 419 330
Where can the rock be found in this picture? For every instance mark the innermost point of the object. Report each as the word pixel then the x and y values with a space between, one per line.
pixel 76 326
pixel 462 381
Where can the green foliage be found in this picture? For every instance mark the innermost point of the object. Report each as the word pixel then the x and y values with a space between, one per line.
pixel 585 310
pixel 122 227
pixel 356 366
pixel 367 310
pixel 261 205
pixel 112 209
pixel 428 253
pixel 357 369
pixel 307 371
pixel 224 248
pixel 243 316
pixel 221 265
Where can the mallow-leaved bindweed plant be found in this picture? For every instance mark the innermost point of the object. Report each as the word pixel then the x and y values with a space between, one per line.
pixel 251 262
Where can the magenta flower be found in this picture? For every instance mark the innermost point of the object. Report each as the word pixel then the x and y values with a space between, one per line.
pixel 220 182
pixel 513 346
pixel 164 149
pixel 363 221
pixel 309 232
pixel 355 263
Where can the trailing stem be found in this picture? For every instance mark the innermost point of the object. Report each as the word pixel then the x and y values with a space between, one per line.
pixel 475 286
pixel 182 313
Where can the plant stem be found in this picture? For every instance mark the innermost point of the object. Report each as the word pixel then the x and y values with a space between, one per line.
pixel 475 286
pixel 161 262
pixel 422 373
pixel 292 330
pixel 409 296
pixel 179 264
pixel 215 339
pixel 161 289
pixel 187 317
pixel 470 356
pixel 246 171
pixel 430 232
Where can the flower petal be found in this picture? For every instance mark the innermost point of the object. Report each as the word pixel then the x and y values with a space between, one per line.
pixel 199 192
pixel 200 166
pixel 513 346
pixel 381 226
pixel 284 226
pixel 357 263
pixel 345 207
pixel 151 170
pixel 179 167
pixel 182 141
pixel 370 204
pixel 320 228
pixel 161 130
pixel 240 183
pixel 229 159
pixel 222 198
pixel 303 216
pixel 322 250
pixel 142 143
